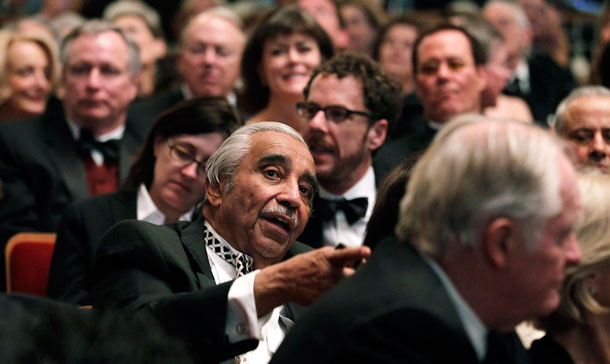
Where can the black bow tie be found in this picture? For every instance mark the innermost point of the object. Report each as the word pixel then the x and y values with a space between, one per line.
pixel 353 209
pixel 109 149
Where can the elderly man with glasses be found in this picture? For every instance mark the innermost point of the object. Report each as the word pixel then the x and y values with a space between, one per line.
pixel 359 103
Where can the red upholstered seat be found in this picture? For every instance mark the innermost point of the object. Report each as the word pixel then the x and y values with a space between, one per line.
pixel 28 259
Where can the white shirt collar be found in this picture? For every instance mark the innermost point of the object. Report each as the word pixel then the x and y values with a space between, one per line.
pixel 522 73
pixel 474 327
pixel 148 211
pixel 115 134
pixel 365 187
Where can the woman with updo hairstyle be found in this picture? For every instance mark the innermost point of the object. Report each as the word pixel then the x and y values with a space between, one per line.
pixel 579 330
pixel 29 68
pixel 277 63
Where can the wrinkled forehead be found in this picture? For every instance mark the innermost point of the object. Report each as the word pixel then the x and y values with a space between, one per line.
pixel 279 148
pixel 589 110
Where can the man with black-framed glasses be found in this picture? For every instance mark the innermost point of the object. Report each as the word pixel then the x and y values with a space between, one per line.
pixel 350 104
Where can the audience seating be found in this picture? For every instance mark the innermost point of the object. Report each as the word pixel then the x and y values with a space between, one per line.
pixel 28 259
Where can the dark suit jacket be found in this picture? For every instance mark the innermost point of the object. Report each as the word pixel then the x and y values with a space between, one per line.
pixel 394 152
pixel 42 173
pixel 165 269
pixel 80 231
pixel 393 310
pixel 148 109
pixel 549 84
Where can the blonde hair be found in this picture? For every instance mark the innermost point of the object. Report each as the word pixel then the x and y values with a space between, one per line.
pixel 48 46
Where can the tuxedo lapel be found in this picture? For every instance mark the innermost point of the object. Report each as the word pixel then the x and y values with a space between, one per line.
pixel 192 239
pixel 130 145
pixel 61 151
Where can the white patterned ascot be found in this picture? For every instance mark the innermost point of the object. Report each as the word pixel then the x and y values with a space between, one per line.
pixel 243 263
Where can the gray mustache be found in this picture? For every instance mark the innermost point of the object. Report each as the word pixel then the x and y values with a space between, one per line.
pixel 291 213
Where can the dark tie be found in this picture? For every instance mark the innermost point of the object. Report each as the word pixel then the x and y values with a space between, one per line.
pixel 109 149
pixel 353 209
pixel 243 263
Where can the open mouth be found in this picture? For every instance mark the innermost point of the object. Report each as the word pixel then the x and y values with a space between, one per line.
pixel 282 224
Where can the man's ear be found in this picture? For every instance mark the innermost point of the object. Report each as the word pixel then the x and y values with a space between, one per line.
pixel 213 193
pixel 483 76
pixel 377 134
pixel 497 241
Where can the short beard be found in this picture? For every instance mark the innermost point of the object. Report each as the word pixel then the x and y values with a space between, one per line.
pixel 346 165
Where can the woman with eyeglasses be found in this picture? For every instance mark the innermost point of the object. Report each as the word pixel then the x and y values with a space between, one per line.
pixel 277 63
pixel 164 184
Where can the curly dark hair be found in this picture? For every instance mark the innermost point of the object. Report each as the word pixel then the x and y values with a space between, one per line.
pixel 196 116
pixel 282 21
pixel 382 94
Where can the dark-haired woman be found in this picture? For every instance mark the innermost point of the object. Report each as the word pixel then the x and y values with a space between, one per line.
pixel 164 185
pixel 278 60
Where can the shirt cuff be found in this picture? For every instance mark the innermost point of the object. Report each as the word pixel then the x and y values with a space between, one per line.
pixel 242 320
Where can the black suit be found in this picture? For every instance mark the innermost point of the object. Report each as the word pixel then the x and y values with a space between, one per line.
pixel 42 172
pixel 394 152
pixel 393 310
pixel 166 269
pixel 549 84
pixel 148 109
pixel 80 231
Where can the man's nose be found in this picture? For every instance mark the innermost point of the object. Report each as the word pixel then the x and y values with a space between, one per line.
pixel 93 79
pixel 599 147
pixel 290 195
pixel 319 122
pixel 572 251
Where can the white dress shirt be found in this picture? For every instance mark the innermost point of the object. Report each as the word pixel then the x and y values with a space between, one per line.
pixel 474 327
pixel 96 155
pixel 339 230
pixel 242 319
pixel 148 211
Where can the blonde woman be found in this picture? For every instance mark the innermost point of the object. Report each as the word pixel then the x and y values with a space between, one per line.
pixel 29 68
pixel 579 331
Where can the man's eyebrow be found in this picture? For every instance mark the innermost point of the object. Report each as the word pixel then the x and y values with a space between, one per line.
pixel 276 158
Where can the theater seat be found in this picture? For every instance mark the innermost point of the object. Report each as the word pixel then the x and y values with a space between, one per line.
pixel 28 259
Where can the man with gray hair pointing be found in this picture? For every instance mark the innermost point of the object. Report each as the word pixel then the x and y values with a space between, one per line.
pixel 225 283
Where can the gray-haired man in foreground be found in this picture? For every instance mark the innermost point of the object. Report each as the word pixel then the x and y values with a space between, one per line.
pixel 483 238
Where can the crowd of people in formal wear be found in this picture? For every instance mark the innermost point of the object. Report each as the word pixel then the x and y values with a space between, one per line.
pixel 308 181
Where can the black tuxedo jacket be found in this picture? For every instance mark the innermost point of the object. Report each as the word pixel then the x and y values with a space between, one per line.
pixel 394 152
pixel 80 231
pixel 549 84
pixel 148 109
pixel 393 310
pixel 165 269
pixel 42 173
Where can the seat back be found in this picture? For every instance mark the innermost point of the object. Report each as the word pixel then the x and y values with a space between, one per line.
pixel 28 260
